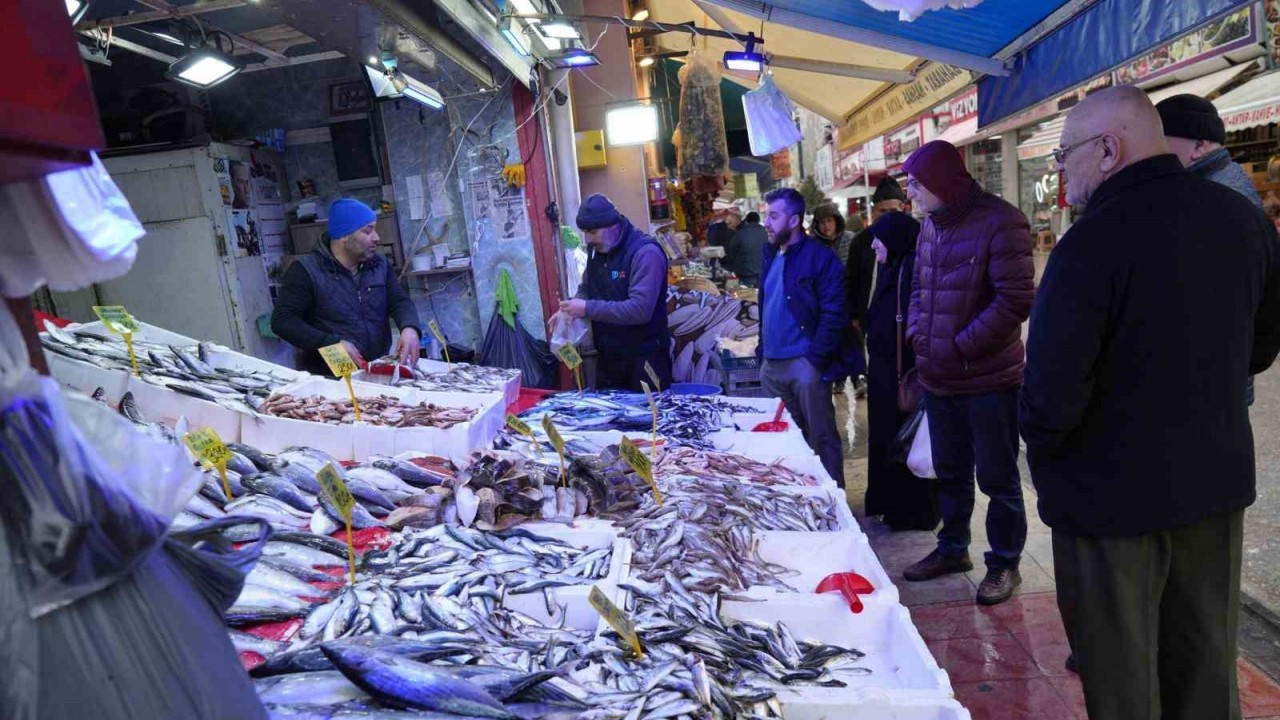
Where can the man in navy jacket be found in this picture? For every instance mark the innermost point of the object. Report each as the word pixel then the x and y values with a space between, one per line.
pixel 804 339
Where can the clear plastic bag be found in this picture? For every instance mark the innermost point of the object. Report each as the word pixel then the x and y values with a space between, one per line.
pixel 566 329
pixel 704 148
pixel 770 122
pixel 909 10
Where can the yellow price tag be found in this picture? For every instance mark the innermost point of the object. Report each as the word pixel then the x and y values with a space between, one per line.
pixel 640 463
pixel 119 321
pixel 569 355
pixel 434 327
pixel 657 384
pixel 558 442
pixel 209 448
pixel 654 405
pixel 617 619
pixel 522 427
pixel 333 486
pixel 341 365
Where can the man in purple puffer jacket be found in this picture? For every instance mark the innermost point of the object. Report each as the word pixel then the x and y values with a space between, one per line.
pixel 974 286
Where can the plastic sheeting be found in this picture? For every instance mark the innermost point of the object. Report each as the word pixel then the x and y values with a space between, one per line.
pixel 1096 40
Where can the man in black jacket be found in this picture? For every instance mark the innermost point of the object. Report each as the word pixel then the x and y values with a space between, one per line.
pixel 1145 488
pixel 746 250
pixel 344 291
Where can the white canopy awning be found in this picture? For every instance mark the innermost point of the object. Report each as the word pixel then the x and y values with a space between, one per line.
pixel 1257 102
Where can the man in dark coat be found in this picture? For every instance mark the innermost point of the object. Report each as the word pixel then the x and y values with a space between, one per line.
pixel 720 232
pixel 624 295
pixel 1144 487
pixel 344 291
pixel 905 501
pixel 746 250
pixel 803 326
pixel 974 284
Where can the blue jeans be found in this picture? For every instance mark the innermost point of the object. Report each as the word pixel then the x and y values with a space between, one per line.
pixel 981 431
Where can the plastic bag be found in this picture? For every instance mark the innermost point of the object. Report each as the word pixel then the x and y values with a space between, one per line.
pixel 565 330
pixel 909 10
pixel 900 449
pixel 770 118
pixel 920 459
pixel 703 146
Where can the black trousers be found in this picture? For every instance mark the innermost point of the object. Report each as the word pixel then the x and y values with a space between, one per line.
pixel 1152 620
pixel 616 371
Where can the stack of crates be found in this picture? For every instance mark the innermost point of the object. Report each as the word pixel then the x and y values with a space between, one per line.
pixel 742 376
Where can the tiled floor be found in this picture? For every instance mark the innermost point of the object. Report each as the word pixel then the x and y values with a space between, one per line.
pixel 1006 662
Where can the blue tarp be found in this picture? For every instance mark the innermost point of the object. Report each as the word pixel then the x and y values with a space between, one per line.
pixel 1099 39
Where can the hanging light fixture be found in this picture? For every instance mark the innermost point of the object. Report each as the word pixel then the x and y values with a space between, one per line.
pixel 558 30
pixel 204 66
pixel 393 84
pixel 747 60
pixel 572 58
pixel 631 124
pixel 641 15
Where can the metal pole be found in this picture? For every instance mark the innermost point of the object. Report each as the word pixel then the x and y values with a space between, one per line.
pixel 644 25
pixel 866 181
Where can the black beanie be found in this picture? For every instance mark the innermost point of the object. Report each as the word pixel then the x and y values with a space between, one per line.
pixel 597 211
pixel 888 189
pixel 1191 117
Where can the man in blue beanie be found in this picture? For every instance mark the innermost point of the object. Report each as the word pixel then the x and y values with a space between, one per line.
pixel 624 295
pixel 343 292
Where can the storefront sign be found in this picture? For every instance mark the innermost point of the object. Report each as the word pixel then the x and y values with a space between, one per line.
pixel 849 166
pixel 934 83
pixel 1265 115
pixel 1220 37
pixel 746 185
pixel 899 144
pixel 780 164
pixel 952 116
pixel 824 174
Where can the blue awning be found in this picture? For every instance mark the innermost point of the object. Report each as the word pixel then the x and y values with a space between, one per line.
pixel 1098 39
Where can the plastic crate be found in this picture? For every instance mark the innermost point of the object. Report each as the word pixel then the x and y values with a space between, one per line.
pixel 732 363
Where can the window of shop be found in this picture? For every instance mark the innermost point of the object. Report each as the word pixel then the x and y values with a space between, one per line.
pixel 984 164
pixel 1038 190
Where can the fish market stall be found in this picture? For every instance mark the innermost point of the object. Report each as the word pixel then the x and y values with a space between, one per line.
pixel 436 376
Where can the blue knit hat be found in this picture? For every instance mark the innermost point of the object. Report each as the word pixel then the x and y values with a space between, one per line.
pixel 597 212
pixel 347 216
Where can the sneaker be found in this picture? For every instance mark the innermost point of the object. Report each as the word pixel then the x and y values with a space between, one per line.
pixel 935 565
pixel 998 585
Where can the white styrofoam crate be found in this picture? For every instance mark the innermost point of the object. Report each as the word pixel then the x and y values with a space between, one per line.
pixel 877 708
pixel 775 445
pixel 160 404
pixel 816 555
pixel 224 357
pixel 146 333
pixel 359 441
pixel 579 614
pixel 900 662
pixel 844 514
pixel 510 390
pixel 87 377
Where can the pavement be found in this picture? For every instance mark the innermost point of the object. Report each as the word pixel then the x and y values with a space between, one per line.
pixel 1007 662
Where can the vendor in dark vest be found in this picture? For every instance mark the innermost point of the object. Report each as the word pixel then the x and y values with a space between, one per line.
pixel 345 291
pixel 624 295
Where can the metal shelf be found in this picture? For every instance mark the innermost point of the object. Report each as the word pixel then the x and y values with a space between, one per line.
pixel 442 271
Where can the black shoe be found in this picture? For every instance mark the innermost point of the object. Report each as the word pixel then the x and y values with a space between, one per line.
pixel 935 565
pixel 1071 664
pixel 998 585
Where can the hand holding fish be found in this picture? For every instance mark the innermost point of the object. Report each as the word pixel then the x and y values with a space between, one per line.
pixel 408 347
pixel 576 307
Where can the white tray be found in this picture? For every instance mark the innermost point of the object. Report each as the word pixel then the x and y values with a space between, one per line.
pixel 579 614
pixel 817 555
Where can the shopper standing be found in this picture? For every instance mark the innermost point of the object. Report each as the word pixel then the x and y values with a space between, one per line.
pixel 974 285
pixel 1196 135
pixel 1145 488
pixel 907 502
pixel 828 226
pixel 344 291
pixel 802 326
pixel 624 295
pixel 746 250
pixel 859 277
pixel 720 232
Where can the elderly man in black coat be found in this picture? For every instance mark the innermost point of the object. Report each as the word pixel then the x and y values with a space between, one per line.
pixel 1145 486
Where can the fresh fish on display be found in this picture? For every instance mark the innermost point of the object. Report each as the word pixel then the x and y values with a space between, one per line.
pixel 682 419
pixel 462 378
pixel 727 466
pixel 379 410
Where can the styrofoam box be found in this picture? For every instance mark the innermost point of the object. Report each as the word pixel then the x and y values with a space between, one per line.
pixel 146 333
pixel 895 708
pixel 763 410
pixel 359 441
pixel 844 516
pixel 817 555
pixel 160 404
pixel 510 391
pixel 87 377
pixel 786 444
pixel 900 662
pixel 224 357
pixel 579 614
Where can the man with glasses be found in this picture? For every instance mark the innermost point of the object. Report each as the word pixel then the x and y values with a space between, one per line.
pixel 1143 476
pixel 974 284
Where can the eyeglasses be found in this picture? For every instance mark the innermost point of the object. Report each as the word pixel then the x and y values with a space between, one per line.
pixel 1060 154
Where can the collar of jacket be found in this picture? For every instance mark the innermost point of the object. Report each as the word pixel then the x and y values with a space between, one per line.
pixel 331 262
pixel 1136 174
pixel 948 216
pixel 1212 163
pixel 774 250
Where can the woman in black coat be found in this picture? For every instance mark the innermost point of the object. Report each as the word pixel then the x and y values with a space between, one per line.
pixel 906 501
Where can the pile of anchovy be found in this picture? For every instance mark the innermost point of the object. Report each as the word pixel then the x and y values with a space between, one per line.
pixel 188 371
pixel 682 419
pixel 464 377
pixel 727 466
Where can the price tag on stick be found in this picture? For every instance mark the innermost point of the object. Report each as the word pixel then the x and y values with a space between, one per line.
pixel 119 321
pixel 341 365
pixel 434 327
pixel 569 356
pixel 657 384
pixel 332 485
pixel 523 428
pixel 640 463
pixel 558 442
pixel 653 452
pixel 617 619
pixel 209 449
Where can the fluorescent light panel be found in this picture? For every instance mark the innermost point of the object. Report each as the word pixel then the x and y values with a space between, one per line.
pixel 631 125
pixel 575 57
pixel 514 34
pixel 744 61
pixel 207 71
pixel 559 30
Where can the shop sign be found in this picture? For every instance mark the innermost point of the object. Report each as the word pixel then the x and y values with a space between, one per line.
pixel 746 185
pixel 780 164
pixel 1265 115
pixel 899 145
pixel 824 174
pixel 933 84
pixel 1271 8
pixel 1240 29
pixel 962 108
pixel 848 167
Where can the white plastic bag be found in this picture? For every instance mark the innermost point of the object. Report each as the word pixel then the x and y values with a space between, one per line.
pixel 920 460
pixel 566 329
pixel 909 10
pixel 770 125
